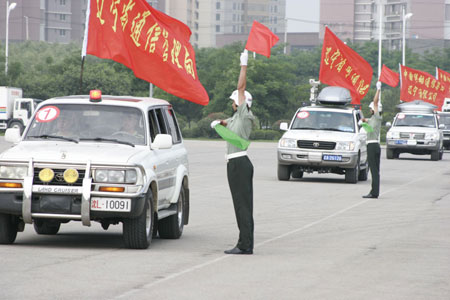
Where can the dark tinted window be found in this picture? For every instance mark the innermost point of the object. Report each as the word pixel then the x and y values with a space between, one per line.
pixel 173 126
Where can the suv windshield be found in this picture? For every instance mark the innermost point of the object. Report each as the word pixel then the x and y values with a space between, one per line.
pixel 81 122
pixel 418 120
pixel 445 119
pixel 324 120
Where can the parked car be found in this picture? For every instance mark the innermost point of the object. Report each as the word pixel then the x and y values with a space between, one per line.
pixel 415 130
pixel 324 138
pixel 105 159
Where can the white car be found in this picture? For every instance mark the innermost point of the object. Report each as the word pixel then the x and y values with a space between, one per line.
pixel 106 159
pixel 324 138
pixel 415 130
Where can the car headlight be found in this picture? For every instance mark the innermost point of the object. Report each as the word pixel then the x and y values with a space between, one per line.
pixel 115 176
pixel 347 146
pixel 431 136
pixel 288 143
pixel 393 135
pixel 13 172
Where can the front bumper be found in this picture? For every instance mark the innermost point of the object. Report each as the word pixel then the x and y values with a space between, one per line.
pixel 412 146
pixel 317 159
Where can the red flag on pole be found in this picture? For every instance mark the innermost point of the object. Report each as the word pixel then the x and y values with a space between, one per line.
pixel 155 46
pixel 444 78
pixel 342 66
pixel 419 85
pixel 261 39
pixel 389 77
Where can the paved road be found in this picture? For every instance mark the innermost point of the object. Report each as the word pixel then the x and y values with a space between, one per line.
pixel 316 238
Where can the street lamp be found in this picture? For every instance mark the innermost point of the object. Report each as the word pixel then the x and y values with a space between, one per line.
pixel 405 17
pixel 9 8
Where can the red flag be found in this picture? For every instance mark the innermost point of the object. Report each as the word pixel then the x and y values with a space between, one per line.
pixel 444 78
pixel 342 66
pixel 389 77
pixel 419 85
pixel 155 46
pixel 261 39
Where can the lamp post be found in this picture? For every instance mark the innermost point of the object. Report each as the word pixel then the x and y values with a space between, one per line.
pixel 405 17
pixel 9 8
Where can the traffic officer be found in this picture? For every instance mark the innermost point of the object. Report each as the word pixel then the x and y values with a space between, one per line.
pixel 373 143
pixel 239 166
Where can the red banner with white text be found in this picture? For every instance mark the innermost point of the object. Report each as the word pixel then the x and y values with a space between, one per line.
pixel 444 77
pixel 341 66
pixel 154 45
pixel 419 85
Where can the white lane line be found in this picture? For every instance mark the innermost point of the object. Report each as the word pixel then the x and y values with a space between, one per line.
pixel 225 256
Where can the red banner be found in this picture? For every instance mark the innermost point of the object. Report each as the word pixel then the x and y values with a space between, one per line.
pixel 444 78
pixel 419 85
pixel 155 46
pixel 389 77
pixel 261 39
pixel 342 66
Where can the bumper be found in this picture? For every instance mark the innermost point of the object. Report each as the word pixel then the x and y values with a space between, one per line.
pixel 317 159
pixel 413 146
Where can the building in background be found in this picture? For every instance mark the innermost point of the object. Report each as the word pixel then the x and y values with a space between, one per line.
pixel 359 20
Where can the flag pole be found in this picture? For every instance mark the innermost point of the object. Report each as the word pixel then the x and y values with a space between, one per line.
pixel 81 75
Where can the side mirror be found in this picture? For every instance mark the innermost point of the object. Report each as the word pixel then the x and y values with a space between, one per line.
pixel 441 126
pixel 388 124
pixel 284 126
pixel 162 141
pixel 12 135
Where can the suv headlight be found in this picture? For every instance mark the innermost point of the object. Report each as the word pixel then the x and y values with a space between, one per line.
pixel 288 143
pixel 13 172
pixel 393 135
pixel 115 176
pixel 347 146
pixel 431 136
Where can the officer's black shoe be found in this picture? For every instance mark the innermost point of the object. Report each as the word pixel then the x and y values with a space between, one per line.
pixel 370 196
pixel 236 250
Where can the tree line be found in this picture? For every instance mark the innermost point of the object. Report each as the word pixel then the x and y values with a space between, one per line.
pixel 279 85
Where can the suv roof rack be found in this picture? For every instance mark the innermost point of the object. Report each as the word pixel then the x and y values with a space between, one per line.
pixel 417 106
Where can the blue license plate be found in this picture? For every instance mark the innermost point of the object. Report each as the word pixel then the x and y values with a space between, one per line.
pixel 400 142
pixel 332 157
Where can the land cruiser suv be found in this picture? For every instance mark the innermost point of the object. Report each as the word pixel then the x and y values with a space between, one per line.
pixel 324 138
pixel 100 158
pixel 415 130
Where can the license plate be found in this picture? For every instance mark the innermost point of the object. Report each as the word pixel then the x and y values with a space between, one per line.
pixel 412 142
pixel 110 204
pixel 57 189
pixel 332 157
pixel 400 142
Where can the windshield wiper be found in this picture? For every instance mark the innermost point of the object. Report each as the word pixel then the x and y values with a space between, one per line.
pixel 99 139
pixel 306 128
pixel 49 136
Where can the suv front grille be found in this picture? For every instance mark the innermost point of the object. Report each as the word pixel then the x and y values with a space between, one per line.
pixel 412 135
pixel 316 145
pixel 58 178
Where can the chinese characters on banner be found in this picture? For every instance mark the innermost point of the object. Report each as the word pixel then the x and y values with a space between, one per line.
pixel 261 39
pixel 419 85
pixel 389 77
pixel 444 78
pixel 342 66
pixel 155 46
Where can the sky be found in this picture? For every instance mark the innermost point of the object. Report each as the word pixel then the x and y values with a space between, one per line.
pixel 305 10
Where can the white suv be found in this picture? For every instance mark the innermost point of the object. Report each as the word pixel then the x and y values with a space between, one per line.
pixel 105 159
pixel 324 138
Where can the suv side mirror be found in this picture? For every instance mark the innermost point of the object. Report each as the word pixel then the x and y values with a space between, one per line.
pixel 284 126
pixel 12 135
pixel 441 126
pixel 388 124
pixel 162 141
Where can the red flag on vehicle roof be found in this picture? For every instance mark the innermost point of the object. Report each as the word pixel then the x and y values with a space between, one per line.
pixel 341 66
pixel 155 46
pixel 389 77
pixel 261 39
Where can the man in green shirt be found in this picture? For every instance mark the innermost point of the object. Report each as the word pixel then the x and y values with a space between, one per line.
pixel 239 166
pixel 373 144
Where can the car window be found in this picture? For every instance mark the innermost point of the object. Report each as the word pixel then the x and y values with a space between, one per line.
pixel 444 119
pixel 154 127
pixel 415 120
pixel 324 120
pixel 173 125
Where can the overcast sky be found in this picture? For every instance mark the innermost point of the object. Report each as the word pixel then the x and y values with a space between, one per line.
pixel 305 10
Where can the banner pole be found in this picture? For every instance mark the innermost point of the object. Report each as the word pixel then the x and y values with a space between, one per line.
pixel 81 74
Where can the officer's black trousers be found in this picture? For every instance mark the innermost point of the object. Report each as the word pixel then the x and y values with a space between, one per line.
pixel 373 156
pixel 240 180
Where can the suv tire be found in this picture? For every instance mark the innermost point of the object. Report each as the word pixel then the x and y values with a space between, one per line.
pixel 138 232
pixel 46 227
pixel 172 226
pixel 284 172
pixel 363 174
pixel 351 175
pixel 8 229
pixel 435 155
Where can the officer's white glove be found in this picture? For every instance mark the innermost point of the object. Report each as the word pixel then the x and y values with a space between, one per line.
pixel 360 122
pixel 244 57
pixel 379 85
pixel 214 123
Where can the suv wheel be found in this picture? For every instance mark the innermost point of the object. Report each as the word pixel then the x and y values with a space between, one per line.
pixel 435 155
pixel 363 174
pixel 137 232
pixel 284 172
pixel 172 226
pixel 351 175
pixel 8 229
pixel 46 226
